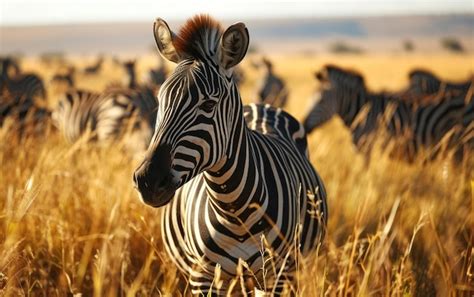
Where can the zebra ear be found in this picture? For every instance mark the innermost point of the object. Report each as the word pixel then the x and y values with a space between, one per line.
pixel 164 40
pixel 233 46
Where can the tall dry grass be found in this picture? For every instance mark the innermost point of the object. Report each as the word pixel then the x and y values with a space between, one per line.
pixel 70 222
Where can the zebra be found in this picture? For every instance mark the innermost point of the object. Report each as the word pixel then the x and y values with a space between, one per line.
pixel 422 126
pixel 21 94
pixel 344 93
pixel 229 176
pixel 271 89
pixel 424 82
pixel 108 114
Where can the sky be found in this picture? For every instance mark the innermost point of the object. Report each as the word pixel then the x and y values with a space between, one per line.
pixel 44 12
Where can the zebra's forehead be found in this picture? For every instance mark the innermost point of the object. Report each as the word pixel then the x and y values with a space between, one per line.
pixel 192 79
pixel 195 72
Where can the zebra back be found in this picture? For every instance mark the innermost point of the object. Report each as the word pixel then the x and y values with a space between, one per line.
pixel 424 82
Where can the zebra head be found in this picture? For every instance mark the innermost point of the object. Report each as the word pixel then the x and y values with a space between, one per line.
pixel 337 92
pixel 199 106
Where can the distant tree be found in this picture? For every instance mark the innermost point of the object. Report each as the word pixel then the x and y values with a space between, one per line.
pixel 452 44
pixel 340 47
pixel 408 46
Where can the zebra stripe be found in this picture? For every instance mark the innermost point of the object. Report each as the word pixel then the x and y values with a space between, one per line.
pixel 107 115
pixel 344 93
pixel 229 175
pixel 19 92
pixel 423 82
pixel 457 101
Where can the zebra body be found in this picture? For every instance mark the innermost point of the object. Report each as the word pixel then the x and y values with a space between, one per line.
pixel 422 125
pixel 423 82
pixel 228 174
pixel 456 105
pixel 344 93
pixel 108 114
pixel 20 93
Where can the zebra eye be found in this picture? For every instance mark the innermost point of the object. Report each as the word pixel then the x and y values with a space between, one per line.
pixel 208 105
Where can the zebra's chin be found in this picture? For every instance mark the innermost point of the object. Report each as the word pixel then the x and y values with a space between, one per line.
pixel 159 198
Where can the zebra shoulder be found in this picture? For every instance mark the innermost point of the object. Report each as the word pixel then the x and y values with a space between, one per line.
pixel 275 122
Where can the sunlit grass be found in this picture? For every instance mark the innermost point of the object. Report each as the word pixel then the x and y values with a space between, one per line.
pixel 70 221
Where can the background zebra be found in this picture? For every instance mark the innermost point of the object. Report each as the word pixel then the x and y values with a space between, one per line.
pixel 422 126
pixel 228 174
pixel 116 111
pixel 424 82
pixel 430 89
pixel 271 89
pixel 22 95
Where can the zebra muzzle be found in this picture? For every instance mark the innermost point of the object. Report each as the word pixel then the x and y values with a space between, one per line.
pixel 153 179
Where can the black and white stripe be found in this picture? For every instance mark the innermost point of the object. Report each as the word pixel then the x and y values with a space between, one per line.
pixel 20 93
pixel 455 100
pixel 424 82
pixel 228 174
pixel 107 115
pixel 422 125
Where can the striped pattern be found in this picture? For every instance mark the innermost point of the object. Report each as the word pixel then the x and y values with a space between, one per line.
pixel 107 115
pixel 423 82
pixel 19 92
pixel 344 93
pixel 456 104
pixel 271 89
pixel 228 174
pixel 422 125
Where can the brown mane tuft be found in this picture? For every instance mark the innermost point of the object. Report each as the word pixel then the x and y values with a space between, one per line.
pixel 195 36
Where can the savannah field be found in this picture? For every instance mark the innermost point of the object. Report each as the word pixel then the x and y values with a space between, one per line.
pixel 71 223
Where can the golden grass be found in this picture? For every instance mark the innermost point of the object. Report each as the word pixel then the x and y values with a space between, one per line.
pixel 70 221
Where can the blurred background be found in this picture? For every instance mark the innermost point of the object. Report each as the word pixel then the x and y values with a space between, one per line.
pixel 71 223
pixel 88 27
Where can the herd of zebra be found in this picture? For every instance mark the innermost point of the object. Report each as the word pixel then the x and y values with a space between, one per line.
pixel 121 108
pixel 430 115
pixel 235 181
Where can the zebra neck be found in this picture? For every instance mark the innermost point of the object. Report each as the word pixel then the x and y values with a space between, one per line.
pixel 351 107
pixel 235 188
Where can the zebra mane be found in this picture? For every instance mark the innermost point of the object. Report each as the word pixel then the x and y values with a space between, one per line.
pixel 199 37
pixel 350 78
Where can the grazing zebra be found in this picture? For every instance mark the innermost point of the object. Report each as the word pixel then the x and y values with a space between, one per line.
pixel 108 114
pixel 271 89
pixel 229 175
pixel 344 93
pixel 20 93
pixel 424 82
